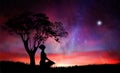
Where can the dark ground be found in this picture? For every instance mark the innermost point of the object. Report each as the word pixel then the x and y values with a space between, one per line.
pixel 17 67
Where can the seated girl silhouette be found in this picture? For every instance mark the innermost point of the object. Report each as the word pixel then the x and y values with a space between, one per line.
pixel 45 62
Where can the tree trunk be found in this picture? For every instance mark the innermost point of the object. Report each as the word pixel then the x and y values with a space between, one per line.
pixel 30 52
pixel 32 59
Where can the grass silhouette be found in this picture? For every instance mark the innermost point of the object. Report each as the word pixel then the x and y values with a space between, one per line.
pixel 18 67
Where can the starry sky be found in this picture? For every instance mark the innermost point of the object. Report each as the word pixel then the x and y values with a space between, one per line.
pixel 93 27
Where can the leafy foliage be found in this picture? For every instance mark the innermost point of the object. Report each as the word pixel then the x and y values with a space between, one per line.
pixel 37 25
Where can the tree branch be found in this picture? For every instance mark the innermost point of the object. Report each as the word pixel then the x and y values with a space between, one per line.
pixel 25 43
pixel 26 46
pixel 35 49
pixel 22 37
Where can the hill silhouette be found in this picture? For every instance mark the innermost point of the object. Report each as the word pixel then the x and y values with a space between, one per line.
pixel 18 67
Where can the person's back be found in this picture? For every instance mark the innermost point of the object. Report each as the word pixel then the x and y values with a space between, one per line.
pixel 43 58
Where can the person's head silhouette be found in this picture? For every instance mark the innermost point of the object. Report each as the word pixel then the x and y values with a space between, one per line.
pixel 42 47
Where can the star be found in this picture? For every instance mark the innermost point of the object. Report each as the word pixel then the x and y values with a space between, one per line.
pixel 99 22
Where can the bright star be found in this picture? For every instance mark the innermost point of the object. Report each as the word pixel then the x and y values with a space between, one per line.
pixel 99 23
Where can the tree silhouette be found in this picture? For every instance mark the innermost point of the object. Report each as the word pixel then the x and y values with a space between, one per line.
pixel 34 29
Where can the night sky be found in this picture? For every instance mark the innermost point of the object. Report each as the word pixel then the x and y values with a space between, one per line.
pixel 93 27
